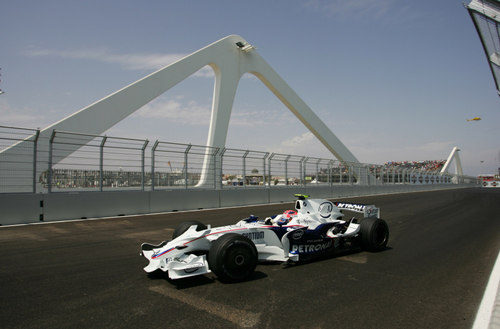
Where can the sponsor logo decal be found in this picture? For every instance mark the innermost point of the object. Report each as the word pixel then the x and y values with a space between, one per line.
pixel 325 209
pixel 254 235
pixel 310 248
pixel 298 234
pixel 351 206
pixel 156 255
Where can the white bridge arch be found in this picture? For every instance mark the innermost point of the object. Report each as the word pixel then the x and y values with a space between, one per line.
pixel 230 58
pixel 458 164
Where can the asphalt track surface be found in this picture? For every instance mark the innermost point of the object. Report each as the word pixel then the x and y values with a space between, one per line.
pixel 88 274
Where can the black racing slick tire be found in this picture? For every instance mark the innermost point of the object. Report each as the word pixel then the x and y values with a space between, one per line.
pixel 374 234
pixel 183 227
pixel 232 257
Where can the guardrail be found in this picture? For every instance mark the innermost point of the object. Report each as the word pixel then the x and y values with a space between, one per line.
pixel 107 163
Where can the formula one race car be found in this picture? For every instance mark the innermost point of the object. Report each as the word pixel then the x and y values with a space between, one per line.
pixel 314 228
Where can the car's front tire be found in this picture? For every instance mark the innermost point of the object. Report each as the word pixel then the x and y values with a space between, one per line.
pixel 374 234
pixel 232 257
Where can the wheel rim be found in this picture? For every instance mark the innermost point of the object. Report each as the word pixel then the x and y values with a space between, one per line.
pixel 239 259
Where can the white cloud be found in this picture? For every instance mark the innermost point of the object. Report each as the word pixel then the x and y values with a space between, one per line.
pixel 306 137
pixel 304 144
pixel 144 61
pixel 25 117
pixel 190 113
pixel 258 118
pixel 183 111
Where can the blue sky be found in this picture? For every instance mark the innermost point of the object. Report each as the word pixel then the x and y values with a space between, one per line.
pixel 394 80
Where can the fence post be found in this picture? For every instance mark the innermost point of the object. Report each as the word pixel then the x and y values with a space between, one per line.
pixel 214 161
pixel 220 168
pixel 153 150
pixel 286 169
pixel 340 173
pixel 101 162
pixel 329 173
pixel 35 148
pixel 244 159
pixel 51 150
pixel 269 168
pixel 317 171
pixel 264 169
pixel 303 166
pixel 186 166
pixel 143 177
pixel 341 166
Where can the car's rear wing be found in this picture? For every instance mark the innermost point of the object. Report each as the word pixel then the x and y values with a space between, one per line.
pixel 366 210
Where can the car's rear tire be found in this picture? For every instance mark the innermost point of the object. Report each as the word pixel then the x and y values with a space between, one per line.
pixel 374 234
pixel 232 257
pixel 183 227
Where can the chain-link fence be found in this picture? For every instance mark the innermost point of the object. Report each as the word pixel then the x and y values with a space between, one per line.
pixel 243 168
pixel 69 161
pixel 175 165
pixel 91 162
pixel 18 165
pixel 285 169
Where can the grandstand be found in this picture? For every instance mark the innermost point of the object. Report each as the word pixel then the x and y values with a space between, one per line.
pixel 425 165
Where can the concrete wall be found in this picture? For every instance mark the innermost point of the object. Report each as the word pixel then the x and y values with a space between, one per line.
pixel 18 208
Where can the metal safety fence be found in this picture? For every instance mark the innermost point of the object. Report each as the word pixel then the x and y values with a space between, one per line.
pixel 18 169
pixel 62 161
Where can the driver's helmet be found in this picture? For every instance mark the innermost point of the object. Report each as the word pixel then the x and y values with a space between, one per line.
pixel 286 216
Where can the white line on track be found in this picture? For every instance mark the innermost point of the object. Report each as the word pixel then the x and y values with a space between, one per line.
pixel 239 317
pixel 486 308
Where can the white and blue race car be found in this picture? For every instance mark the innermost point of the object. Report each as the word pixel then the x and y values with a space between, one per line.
pixel 315 228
